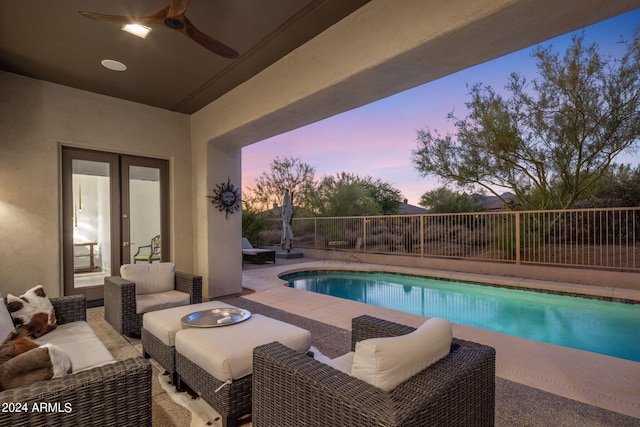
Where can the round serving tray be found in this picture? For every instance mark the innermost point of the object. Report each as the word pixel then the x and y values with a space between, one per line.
pixel 215 317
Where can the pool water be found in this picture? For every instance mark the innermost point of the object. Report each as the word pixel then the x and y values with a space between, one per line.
pixel 605 327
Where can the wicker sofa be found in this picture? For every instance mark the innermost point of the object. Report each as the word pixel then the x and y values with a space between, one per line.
pixel 292 389
pixel 114 394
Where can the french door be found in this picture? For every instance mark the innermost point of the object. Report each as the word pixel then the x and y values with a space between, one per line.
pixel 115 211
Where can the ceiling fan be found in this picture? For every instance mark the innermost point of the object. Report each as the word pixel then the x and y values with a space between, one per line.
pixel 173 16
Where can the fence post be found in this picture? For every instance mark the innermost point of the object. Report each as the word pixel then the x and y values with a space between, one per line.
pixel 315 233
pixel 517 238
pixel 364 234
pixel 422 236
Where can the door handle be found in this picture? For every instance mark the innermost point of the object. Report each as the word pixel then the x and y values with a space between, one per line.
pixel 125 244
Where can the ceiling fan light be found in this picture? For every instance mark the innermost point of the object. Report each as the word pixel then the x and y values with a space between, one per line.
pixel 141 31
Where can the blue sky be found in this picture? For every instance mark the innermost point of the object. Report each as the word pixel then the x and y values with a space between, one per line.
pixel 377 139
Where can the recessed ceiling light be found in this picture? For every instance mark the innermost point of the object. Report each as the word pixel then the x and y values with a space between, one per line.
pixel 113 65
pixel 141 31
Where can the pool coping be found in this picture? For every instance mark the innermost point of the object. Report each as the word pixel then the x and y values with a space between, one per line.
pixel 592 378
pixel 604 293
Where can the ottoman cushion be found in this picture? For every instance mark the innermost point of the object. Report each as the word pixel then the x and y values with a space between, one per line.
pixel 226 353
pixel 164 324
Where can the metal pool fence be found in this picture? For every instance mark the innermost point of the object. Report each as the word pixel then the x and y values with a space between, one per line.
pixel 598 238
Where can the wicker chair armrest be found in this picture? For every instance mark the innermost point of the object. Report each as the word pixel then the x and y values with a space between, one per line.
pixel 120 304
pixel 70 308
pixel 115 394
pixel 191 284
pixel 289 386
pixel 121 290
pixel 366 327
pixel 119 284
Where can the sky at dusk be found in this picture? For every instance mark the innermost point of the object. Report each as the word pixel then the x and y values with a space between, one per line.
pixel 377 139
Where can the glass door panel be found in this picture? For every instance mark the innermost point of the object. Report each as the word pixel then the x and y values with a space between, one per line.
pixel 144 214
pixel 91 222
pixel 145 194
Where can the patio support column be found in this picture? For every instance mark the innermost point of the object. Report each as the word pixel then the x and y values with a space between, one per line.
pixel 223 230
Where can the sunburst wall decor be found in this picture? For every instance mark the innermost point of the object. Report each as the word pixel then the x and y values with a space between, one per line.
pixel 226 198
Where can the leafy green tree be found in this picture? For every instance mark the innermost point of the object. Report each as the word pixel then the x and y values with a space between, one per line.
pixel 619 187
pixel 388 198
pixel 551 139
pixel 445 200
pixel 252 223
pixel 286 173
pixel 346 194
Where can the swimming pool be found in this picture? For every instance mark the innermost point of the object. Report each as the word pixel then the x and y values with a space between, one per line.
pixel 604 327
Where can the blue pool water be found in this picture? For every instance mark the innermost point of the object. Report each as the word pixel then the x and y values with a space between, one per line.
pixel 605 327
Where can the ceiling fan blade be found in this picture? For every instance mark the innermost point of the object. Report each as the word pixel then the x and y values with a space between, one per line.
pixel 206 41
pixel 157 18
pixel 173 17
pixel 177 8
pixel 107 18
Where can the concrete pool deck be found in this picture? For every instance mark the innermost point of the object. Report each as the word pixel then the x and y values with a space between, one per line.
pixel 603 381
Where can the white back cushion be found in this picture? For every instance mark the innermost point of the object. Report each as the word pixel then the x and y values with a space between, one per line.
pixel 387 362
pixel 6 322
pixel 246 244
pixel 150 278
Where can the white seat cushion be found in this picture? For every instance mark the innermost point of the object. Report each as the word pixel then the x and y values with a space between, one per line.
pixel 226 353
pixel 80 343
pixel 387 362
pixel 164 324
pixel 150 278
pixel 161 300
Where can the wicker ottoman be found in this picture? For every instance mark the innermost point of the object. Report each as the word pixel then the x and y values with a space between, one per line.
pixel 159 330
pixel 217 362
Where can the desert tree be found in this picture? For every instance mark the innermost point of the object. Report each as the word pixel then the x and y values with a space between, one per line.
pixel 549 140
pixel 348 194
pixel 286 173
pixel 446 200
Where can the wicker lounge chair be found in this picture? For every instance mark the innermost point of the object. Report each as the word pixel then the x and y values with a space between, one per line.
pixel 114 394
pixel 292 389
pixel 255 255
pixel 120 308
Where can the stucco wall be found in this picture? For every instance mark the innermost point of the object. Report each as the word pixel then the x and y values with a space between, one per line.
pixel 36 118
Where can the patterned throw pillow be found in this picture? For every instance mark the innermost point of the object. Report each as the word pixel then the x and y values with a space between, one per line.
pixel 32 311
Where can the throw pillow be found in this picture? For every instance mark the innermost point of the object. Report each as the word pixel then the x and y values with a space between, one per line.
pixel 33 312
pixel 23 362
pixel 387 362
pixel 15 345
pixel 39 364
pixel 22 344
